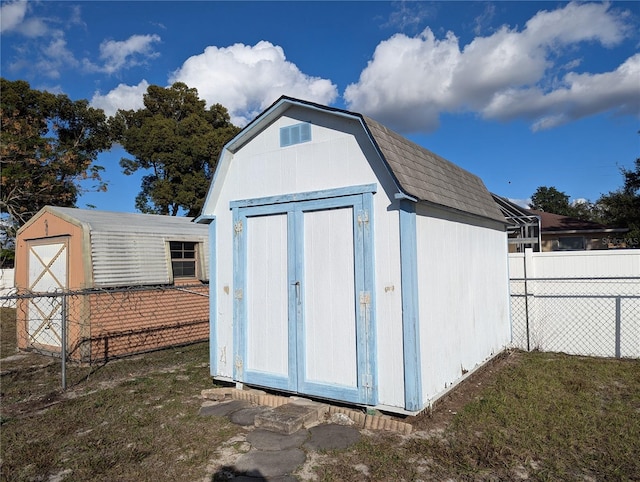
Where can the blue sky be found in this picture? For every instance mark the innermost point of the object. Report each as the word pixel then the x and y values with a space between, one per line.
pixel 523 94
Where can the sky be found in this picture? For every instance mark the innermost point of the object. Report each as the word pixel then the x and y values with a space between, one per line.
pixel 521 93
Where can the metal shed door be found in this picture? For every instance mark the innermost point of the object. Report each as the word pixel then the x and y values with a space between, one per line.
pixel 302 307
pixel 47 274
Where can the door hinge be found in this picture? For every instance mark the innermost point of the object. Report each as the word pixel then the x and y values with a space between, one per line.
pixel 365 298
pixel 237 227
pixel 367 381
pixel 363 217
pixel 239 365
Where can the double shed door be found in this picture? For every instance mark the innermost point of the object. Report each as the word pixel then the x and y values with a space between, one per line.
pixel 303 279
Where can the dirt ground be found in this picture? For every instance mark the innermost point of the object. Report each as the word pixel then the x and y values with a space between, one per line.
pixel 445 408
pixel 432 420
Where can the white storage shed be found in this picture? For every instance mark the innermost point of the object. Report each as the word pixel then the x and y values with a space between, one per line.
pixel 349 263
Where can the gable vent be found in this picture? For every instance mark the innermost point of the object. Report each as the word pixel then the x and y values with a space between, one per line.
pixel 295 134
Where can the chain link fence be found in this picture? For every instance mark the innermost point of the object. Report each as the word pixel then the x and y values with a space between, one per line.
pixel 578 316
pixel 90 328
pixel 87 329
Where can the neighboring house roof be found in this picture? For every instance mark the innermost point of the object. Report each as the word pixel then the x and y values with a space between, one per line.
pixel 556 223
pixel 419 173
pixel 549 222
pixel 128 248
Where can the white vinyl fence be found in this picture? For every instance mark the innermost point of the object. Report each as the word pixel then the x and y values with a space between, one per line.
pixel 579 302
pixel 7 287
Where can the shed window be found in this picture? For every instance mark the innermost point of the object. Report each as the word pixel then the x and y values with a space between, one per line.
pixel 295 134
pixel 183 259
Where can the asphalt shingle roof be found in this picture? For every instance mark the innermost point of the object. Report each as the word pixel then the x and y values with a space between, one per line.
pixel 428 177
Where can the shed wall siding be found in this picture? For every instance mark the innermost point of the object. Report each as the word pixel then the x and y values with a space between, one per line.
pixel 49 226
pixel 333 159
pixel 463 301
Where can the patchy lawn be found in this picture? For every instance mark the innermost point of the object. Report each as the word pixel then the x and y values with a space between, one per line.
pixel 532 416
pixel 528 416
pixel 132 419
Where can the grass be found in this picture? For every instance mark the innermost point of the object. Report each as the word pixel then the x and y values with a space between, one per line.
pixel 546 417
pixel 533 415
pixel 134 419
pixel 8 341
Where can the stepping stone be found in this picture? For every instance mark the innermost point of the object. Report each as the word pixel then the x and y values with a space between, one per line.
pixel 247 416
pixel 332 437
pixel 256 463
pixel 267 440
pixel 288 418
pixel 223 409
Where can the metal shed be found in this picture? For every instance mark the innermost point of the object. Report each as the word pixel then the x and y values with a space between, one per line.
pixel 95 258
pixel 350 263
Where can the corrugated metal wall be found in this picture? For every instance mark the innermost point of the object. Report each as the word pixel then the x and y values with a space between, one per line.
pixel 129 259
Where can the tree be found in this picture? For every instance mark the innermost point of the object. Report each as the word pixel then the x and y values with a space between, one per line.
pixel 622 207
pixel 178 140
pixel 48 147
pixel 550 200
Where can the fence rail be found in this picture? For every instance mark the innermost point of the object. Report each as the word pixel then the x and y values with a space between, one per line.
pixel 92 327
pixel 580 316
pixel 88 328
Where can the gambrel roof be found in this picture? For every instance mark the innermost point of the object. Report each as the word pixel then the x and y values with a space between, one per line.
pixel 419 174
pixel 426 176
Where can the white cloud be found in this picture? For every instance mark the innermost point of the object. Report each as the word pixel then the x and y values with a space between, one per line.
pixel 118 55
pixel 410 81
pixel 46 54
pixel 578 96
pixel 577 22
pixel 409 15
pixel 579 201
pixel 247 79
pixel 12 14
pixel 482 20
pixel 55 56
pixel 122 97
pixel 13 18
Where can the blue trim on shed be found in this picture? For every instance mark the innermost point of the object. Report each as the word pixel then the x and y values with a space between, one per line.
pixel 360 198
pixel 369 282
pixel 410 310
pixel 239 287
pixel 305 196
pixel 213 299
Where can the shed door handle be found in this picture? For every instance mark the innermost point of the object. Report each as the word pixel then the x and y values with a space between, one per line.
pixel 297 285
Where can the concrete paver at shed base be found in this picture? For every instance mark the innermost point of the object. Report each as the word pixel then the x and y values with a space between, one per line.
pixel 223 409
pixel 289 418
pixel 267 440
pixel 284 428
pixel 259 463
pixel 247 416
